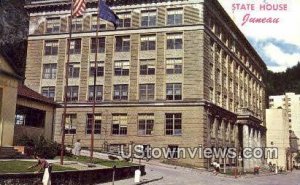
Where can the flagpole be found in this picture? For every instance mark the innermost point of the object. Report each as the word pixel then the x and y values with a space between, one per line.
pixel 66 89
pixel 95 82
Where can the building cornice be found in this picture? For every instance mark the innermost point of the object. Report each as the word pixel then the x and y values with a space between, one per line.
pixel 54 5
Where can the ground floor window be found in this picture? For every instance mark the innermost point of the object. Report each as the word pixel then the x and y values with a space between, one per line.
pixel 117 148
pixel 172 151
pixel 119 125
pixel 89 123
pixel 31 117
pixel 70 125
pixel 145 124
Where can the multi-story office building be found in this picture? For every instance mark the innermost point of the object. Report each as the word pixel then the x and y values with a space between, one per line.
pixel 173 74
pixel 291 103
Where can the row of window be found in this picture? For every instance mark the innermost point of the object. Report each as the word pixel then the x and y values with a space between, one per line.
pixel 232 44
pixel 120 92
pixel 173 124
pixel 148 19
pixel 122 44
pixel 121 68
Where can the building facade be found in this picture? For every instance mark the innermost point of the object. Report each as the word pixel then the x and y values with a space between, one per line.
pixel 173 74
pixel 278 136
pixel 291 103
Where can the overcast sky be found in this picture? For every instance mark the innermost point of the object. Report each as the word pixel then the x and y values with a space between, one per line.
pixel 277 44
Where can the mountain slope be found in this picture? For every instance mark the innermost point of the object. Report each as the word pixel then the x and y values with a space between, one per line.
pixel 14 31
pixel 280 83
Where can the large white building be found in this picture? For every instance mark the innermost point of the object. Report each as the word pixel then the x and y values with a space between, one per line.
pixel 290 102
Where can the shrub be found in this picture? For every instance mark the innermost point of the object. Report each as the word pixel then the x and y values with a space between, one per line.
pixel 40 146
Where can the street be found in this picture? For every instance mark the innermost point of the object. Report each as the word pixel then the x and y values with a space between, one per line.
pixel 178 176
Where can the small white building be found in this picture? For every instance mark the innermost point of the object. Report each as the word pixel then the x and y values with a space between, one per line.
pixel 278 135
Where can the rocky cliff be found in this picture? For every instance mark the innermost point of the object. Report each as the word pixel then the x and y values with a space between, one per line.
pixel 14 31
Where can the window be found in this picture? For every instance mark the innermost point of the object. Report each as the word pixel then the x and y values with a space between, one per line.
pixel 75 46
pixel 146 124
pixel 174 16
pixel 101 26
pixel 70 126
pixel 122 43
pixel 218 76
pixel 173 124
pixel 74 70
pixel 173 91
pixel 124 19
pixel 148 42
pixel 53 25
pixel 101 45
pixel 89 123
pixel 48 92
pixel 77 24
pixel 230 104
pixel 174 66
pixel 218 98
pixel 174 41
pixel 122 68
pixel 49 71
pixel 147 67
pixel 51 47
pixel 72 93
pixel 99 92
pixel 230 85
pixel 20 119
pixel 148 18
pixel 117 148
pixel 100 68
pixel 147 91
pixel 30 117
pixel 172 151
pixel 224 80
pixel 119 125
pixel 120 92
pixel 211 70
pixel 211 94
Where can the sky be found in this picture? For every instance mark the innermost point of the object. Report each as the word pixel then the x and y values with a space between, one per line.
pixel 278 44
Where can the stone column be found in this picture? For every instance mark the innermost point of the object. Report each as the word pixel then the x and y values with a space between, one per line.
pixel 254 146
pixel 259 145
pixel 251 146
pixel 209 122
pixel 223 132
pixel 246 144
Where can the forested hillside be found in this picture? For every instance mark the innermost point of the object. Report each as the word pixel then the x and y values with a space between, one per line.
pixel 279 83
pixel 14 31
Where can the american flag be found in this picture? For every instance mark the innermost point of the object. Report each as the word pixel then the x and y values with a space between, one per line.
pixel 79 7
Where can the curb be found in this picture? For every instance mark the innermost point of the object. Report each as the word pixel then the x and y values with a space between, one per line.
pixel 148 181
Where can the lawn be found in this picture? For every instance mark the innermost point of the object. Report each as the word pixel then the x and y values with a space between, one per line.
pixel 103 162
pixel 16 166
